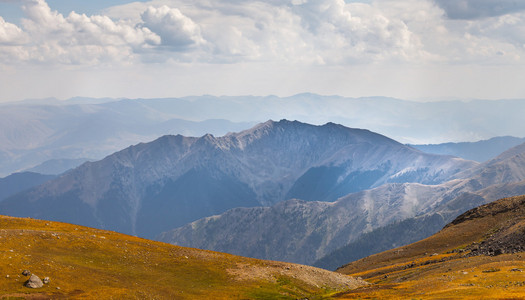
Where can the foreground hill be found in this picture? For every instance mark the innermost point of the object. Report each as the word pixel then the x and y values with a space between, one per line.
pixel 87 263
pixel 477 256
pixel 150 188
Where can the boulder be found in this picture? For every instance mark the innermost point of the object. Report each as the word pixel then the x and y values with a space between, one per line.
pixel 34 282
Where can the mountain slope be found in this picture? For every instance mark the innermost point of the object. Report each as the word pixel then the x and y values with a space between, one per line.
pixel 150 188
pixel 416 228
pixel 313 230
pixel 477 256
pixel 86 263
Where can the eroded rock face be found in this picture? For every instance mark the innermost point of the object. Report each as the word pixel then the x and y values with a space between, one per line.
pixel 34 282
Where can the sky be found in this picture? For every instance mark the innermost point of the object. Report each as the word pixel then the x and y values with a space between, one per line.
pixel 409 49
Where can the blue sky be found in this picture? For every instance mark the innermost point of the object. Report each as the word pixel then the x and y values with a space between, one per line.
pixel 411 49
pixel 11 10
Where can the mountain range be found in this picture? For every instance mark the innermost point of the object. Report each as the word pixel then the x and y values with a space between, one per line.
pixel 390 215
pixel 36 131
pixel 153 187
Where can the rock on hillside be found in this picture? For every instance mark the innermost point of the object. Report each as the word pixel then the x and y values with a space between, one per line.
pixel 150 188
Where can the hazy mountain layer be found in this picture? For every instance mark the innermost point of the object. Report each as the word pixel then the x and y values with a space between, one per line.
pixel 19 182
pixel 38 131
pixel 32 132
pixel 150 188
pixel 58 166
pixel 478 151
pixel 303 232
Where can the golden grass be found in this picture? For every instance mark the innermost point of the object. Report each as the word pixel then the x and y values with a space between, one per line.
pixel 86 263
pixel 480 277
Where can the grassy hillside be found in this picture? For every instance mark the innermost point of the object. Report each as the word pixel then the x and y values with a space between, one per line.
pixel 477 256
pixel 86 263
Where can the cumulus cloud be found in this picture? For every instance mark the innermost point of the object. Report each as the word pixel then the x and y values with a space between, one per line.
pixel 78 38
pixel 360 30
pixel 10 33
pixel 474 9
pixel 310 32
pixel 175 29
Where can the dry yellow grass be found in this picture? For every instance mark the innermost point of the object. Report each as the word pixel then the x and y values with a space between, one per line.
pixel 438 268
pixel 86 263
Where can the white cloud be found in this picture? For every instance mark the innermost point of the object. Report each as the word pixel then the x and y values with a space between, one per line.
pixel 10 33
pixel 319 32
pixel 77 39
pixel 175 29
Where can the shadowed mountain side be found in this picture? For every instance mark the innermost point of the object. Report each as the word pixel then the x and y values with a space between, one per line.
pixel 150 188
pixel 300 231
